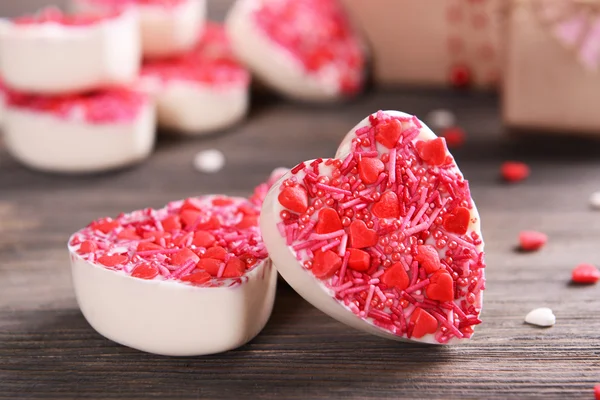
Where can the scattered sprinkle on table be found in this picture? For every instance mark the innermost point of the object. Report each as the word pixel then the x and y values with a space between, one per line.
pixel 455 136
pixel 595 200
pixel 532 240
pixel 209 161
pixel 585 274
pixel 441 119
pixel 542 316
pixel 514 171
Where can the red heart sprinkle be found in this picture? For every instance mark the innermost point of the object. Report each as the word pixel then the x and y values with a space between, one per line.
pixel 428 257
pixel 457 221
pixel 189 217
pixel 198 277
pixel 294 199
pixel 328 221
pixel 183 256
pixel 585 273
pixel 460 76
pixel 105 226
pixel 210 225
pixel 395 276
pixel 424 323
pixel 514 171
pixel 115 259
pixel 325 264
pixel 148 246
pixel 248 222
pixel 190 204
pixel 247 210
pixel 387 206
pixel 87 247
pixel 433 152
pixel 171 223
pixel 144 271
pixel 369 169
pixel 217 253
pixel 359 260
pixel 388 133
pixel 210 265
pixel 203 239
pixel 441 286
pixel 597 392
pixel 234 268
pixel 221 201
pixel 128 234
pixel 532 240
pixel 455 136
pixel 361 236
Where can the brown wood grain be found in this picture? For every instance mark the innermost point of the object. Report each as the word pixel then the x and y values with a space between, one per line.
pixel 47 350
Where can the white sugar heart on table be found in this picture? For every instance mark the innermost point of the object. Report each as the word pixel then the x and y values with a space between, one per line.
pixel 542 316
pixel 385 237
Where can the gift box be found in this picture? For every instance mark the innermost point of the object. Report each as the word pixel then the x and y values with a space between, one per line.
pixel 551 79
pixel 431 42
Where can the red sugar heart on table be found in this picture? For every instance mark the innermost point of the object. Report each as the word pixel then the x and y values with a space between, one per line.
pixel 532 240
pixel 585 274
pixel 385 237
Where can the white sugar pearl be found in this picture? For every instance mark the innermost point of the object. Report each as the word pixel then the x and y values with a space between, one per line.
pixel 595 200
pixel 209 161
pixel 441 119
pixel 542 316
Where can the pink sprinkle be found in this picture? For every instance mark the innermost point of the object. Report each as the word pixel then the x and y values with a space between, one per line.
pixel 347 160
pixel 362 131
pixel 360 206
pixel 414 272
pixel 380 294
pixel 448 325
pixel 418 286
pixel 331 245
pixel 409 214
pixel 378 273
pixel 289 236
pixel 392 165
pixel 332 189
pixel 416 121
pixel 187 267
pixel 420 213
pixel 356 289
pixel 410 134
pixel 373 282
pixel 304 245
pixel 367 153
pixel 344 266
pixel 410 175
pixel 281 229
pixel 307 229
pixel 164 271
pixel 160 251
pixel 343 244
pixel 343 287
pixel 416 229
pixel 369 298
pixel 318 245
pixel 326 236
pixel 221 270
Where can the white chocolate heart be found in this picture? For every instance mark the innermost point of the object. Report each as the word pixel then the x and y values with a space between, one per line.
pixel 400 272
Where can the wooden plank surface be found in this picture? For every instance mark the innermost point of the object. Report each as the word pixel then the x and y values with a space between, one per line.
pixel 47 350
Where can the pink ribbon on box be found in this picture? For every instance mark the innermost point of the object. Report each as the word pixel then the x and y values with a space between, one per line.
pixel 576 25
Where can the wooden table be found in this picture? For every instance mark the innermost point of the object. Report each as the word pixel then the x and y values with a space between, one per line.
pixel 47 349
